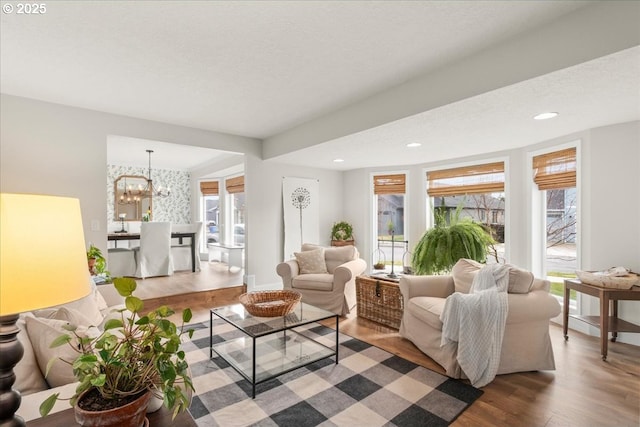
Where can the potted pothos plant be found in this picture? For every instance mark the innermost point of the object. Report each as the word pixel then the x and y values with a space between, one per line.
pixel 342 234
pixel 96 261
pixel 442 246
pixel 136 356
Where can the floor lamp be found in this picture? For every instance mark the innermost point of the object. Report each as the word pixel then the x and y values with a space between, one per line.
pixel 43 263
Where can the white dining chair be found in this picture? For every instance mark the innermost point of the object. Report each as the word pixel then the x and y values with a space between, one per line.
pixel 181 253
pixel 121 262
pixel 153 256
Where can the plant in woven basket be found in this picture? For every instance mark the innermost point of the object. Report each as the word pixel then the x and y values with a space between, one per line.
pixel 442 246
pixel 134 355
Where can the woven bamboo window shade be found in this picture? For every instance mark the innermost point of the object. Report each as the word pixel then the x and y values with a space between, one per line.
pixel 389 184
pixel 210 188
pixel 555 170
pixel 235 185
pixel 477 179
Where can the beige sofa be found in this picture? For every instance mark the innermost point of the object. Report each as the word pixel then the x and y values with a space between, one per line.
pixel 526 344
pixel 332 283
pixel 38 329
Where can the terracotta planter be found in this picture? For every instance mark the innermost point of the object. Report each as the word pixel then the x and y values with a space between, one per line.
pixel 130 415
pixel 342 243
pixel 92 266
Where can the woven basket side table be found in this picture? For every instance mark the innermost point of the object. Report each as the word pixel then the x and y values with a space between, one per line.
pixel 379 300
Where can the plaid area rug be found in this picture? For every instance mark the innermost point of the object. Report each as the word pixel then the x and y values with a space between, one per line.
pixel 368 387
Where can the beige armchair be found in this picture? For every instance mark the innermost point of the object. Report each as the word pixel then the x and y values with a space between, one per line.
pixel 526 345
pixel 335 288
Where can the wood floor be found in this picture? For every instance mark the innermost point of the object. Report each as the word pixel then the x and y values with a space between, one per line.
pixel 582 391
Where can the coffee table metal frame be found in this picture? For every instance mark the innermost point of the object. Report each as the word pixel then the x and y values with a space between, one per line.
pixel 256 358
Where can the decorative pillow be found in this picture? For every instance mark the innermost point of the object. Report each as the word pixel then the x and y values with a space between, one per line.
pixel 89 306
pixel 311 262
pixel 520 280
pixel 28 378
pixel 64 313
pixel 42 332
pixel 337 255
pixel 463 273
pixel 100 301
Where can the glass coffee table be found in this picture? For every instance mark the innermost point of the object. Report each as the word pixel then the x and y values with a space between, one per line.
pixel 270 346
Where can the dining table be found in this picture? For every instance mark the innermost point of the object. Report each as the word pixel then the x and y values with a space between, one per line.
pixel 180 235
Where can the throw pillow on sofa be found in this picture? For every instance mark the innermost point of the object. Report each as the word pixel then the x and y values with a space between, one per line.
pixel 42 332
pixel 67 314
pixel 520 280
pixel 29 379
pixel 91 306
pixel 465 270
pixel 311 262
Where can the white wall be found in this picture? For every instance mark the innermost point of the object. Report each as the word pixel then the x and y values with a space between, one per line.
pixel 611 209
pixel 265 228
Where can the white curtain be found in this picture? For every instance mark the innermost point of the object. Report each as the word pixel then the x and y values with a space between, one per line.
pixel 301 205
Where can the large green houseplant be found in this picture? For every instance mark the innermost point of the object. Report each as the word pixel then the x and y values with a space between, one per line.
pixel 442 246
pixel 136 355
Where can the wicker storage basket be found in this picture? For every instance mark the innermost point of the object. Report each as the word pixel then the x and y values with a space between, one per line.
pixel 270 303
pixel 379 300
pixel 612 282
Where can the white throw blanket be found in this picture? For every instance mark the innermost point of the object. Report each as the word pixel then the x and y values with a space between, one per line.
pixel 476 322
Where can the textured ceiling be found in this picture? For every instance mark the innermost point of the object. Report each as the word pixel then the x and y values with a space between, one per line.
pixel 126 151
pixel 593 94
pixel 259 68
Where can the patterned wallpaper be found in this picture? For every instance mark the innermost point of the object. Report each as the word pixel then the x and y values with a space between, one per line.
pixel 175 208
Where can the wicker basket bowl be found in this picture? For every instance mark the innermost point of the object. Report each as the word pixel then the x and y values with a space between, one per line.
pixel 612 282
pixel 270 303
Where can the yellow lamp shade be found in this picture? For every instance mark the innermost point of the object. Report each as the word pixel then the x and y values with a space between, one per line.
pixel 43 258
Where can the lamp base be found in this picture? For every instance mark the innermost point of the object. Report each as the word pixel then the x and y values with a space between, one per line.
pixel 11 352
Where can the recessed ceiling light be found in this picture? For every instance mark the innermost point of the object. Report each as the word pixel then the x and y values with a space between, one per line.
pixel 545 116
pixel 413 144
pixel 338 160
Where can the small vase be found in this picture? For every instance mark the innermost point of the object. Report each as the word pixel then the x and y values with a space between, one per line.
pixel 92 266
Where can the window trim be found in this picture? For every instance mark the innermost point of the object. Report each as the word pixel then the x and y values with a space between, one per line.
pixel 373 212
pixel 505 160
pixel 537 219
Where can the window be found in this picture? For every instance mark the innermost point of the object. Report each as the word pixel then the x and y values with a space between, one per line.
pixel 389 208
pixel 554 174
pixel 478 190
pixel 210 212
pixel 235 189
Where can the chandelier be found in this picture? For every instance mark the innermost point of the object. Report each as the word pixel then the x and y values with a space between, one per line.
pixel 150 189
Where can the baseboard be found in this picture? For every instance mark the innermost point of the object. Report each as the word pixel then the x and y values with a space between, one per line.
pixel 265 287
pixel 213 298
